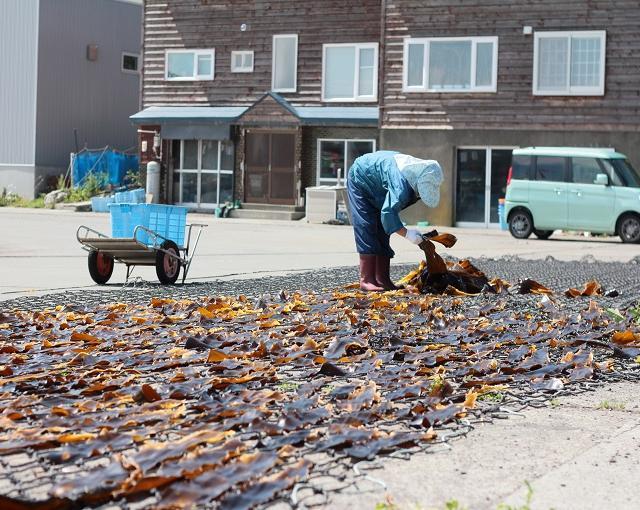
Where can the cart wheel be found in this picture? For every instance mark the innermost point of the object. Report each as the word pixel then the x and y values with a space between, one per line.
pixel 168 267
pixel 100 266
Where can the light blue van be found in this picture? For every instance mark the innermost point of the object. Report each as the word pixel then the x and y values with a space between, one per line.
pixel 570 188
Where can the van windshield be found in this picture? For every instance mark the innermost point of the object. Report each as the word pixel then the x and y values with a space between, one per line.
pixel 624 171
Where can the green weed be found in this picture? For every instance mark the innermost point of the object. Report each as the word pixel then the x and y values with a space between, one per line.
pixel 605 405
pixel 526 506
pixel 288 387
pixel 495 397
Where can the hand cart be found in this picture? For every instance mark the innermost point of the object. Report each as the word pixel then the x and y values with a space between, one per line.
pixel 164 254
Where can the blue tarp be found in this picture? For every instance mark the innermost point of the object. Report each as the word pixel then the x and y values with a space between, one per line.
pixel 110 163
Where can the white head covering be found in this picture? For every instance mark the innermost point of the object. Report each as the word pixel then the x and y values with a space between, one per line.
pixel 424 176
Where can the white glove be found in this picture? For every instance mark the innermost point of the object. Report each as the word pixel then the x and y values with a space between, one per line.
pixel 414 236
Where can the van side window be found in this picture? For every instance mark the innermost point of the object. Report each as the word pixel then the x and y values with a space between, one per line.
pixel 613 175
pixel 521 167
pixel 585 170
pixel 550 168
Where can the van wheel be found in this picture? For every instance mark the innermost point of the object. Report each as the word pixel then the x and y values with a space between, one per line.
pixel 629 228
pixel 521 224
pixel 543 234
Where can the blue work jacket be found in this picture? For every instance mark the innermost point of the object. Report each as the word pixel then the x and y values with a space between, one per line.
pixel 378 177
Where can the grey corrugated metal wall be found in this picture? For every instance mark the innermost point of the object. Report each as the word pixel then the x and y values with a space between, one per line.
pixel 18 45
pixel 73 92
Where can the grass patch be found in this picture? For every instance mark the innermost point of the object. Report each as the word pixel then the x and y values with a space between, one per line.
pixel 525 506
pixel 288 387
pixel 494 397
pixel 607 405
pixel 454 504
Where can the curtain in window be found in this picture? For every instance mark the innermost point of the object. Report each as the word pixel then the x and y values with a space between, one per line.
pixel 339 72
pixel 552 63
pixel 450 65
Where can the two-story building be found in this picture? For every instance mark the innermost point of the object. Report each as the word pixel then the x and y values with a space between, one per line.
pixel 256 101
pixel 467 81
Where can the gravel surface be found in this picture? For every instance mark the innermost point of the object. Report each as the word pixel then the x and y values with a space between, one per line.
pixel 557 275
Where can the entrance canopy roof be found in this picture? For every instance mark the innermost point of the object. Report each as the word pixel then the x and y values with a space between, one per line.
pixel 227 115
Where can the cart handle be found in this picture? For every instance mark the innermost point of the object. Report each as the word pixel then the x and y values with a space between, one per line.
pixel 85 231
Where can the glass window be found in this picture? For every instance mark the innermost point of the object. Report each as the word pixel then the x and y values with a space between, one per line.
pixel 242 61
pixel 226 155
pixel 197 179
pixel 189 187
pixel 585 170
pixel 130 62
pixel 450 65
pixel 337 155
pixel 484 66
pixel 331 158
pixel 470 185
pixel 285 63
pixel 190 158
pixel 521 167
pixel 366 76
pixel 461 64
pixel 569 63
pixel 209 154
pixel 339 72
pixel 187 65
pixel 209 191
pixel 585 61
pixel 622 173
pixel 180 65
pixel 226 188
pixel 349 72
pixel 550 168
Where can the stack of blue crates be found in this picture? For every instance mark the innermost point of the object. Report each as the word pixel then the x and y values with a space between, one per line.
pixel 169 221
pixel 134 196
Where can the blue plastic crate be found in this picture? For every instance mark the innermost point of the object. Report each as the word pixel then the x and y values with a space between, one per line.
pixel 123 197
pixel 101 204
pixel 169 221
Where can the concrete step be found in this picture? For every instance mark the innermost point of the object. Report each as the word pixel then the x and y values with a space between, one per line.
pixel 257 214
pixel 273 207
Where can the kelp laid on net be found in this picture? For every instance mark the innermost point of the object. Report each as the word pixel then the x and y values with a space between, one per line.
pixel 232 403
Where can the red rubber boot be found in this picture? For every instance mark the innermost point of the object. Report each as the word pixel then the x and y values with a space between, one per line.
pixel 368 274
pixel 383 265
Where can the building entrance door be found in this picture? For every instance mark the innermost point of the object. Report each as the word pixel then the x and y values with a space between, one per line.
pixel 270 168
pixel 481 181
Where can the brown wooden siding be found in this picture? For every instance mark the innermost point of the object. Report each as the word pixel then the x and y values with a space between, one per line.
pixel 268 113
pixel 514 106
pixel 205 24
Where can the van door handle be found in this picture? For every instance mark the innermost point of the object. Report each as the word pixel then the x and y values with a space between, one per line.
pixel 557 190
pixel 577 192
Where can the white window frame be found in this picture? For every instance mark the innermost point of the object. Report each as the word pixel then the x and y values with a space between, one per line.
pixel 235 69
pixel 356 81
pixel 129 54
pixel 569 90
pixel 425 41
pixel 199 171
pixel 330 180
pixel 273 63
pixel 196 76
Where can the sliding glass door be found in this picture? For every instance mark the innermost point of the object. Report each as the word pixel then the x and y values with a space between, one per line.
pixel 481 180
pixel 202 172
